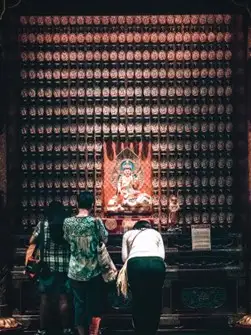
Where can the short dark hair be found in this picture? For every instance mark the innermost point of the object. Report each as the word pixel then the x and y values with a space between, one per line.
pixel 85 200
pixel 142 224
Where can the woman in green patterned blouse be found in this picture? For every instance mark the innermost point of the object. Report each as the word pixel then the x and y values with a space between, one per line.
pixel 83 232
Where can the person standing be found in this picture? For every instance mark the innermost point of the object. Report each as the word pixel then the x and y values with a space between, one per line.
pixel 53 283
pixel 143 249
pixel 83 232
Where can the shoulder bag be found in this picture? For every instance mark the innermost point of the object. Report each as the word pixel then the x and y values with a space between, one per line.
pixel 34 258
pixel 108 268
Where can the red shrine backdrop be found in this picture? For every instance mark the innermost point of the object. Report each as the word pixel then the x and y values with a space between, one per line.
pixel 138 152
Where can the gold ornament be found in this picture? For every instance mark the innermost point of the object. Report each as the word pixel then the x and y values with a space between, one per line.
pixel 173 207
pixel 111 224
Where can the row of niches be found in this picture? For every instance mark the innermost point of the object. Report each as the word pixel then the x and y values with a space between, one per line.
pixel 123 91
pixel 188 218
pixel 200 144
pixel 168 161
pixel 107 129
pixel 211 201
pixel 192 183
pixel 162 37
pixel 106 90
pixel 131 89
pixel 199 155
pixel 201 19
pixel 55 182
pixel 179 133
pixel 214 218
pixel 188 197
pixel 44 113
pixel 164 53
pixel 205 218
pixel 146 73
pixel 131 126
pixel 67 123
pixel 64 160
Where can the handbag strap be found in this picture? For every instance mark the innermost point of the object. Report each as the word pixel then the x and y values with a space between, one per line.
pixel 41 247
pixel 136 236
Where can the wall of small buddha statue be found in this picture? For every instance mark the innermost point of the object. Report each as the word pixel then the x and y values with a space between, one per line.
pixel 160 91
pixel 150 113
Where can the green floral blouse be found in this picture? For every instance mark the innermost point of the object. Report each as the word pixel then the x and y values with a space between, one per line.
pixel 82 235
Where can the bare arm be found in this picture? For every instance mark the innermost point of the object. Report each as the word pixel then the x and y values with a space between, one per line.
pixel 161 247
pixel 35 235
pixel 125 251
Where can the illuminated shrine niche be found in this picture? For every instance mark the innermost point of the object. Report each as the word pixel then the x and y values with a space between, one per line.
pixel 130 178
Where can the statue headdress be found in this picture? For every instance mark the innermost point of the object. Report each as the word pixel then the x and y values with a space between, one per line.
pixel 127 165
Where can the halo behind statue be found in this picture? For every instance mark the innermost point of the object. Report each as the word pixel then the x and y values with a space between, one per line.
pixel 127 159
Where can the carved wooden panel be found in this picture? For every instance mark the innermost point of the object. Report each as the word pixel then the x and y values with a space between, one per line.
pixel 204 296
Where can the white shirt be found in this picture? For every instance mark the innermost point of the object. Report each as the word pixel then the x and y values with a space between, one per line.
pixel 147 243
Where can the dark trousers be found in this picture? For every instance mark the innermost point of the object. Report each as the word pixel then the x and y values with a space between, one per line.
pixel 146 277
pixel 88 297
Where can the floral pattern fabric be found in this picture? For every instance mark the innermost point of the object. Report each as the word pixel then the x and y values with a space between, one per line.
pixel 83 234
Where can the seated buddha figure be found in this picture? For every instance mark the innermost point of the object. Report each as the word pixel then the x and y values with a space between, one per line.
pixel 128 198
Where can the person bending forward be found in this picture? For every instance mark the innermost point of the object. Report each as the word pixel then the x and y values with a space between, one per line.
pixel 144 249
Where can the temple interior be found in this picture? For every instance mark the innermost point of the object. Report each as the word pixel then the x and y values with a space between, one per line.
pixel 148 107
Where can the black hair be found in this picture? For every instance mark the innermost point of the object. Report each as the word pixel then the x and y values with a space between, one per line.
pixel 85 200
pixel 56 214
pixel 142 224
